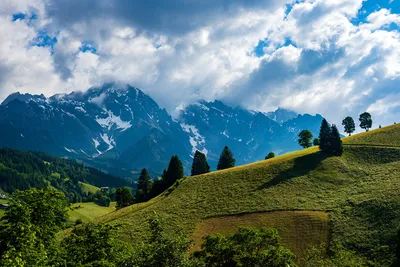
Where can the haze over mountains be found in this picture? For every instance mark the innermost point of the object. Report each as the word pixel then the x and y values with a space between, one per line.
pixel 121 129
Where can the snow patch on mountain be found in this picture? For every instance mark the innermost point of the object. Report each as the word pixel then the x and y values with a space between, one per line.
pixel 109 141
pixel 70 150
pixel 96 143
pixel 196 140
pixel 112 120
pixel 80 109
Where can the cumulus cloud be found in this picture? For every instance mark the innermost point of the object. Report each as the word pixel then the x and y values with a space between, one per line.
pixel 311 56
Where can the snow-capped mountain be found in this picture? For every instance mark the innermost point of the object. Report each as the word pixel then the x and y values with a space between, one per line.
pixel 121 129
pixel 109 127
pixel 249 134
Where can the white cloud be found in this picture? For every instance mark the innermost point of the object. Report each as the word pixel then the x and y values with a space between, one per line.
pixel 330 66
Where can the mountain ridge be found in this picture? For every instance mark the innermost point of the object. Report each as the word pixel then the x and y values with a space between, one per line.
pixel 120 129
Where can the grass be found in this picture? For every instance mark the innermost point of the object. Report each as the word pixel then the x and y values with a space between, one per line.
pixel 387 136
pixel 89 211
pixel 293 226
pixel 89 188
pixel 352 189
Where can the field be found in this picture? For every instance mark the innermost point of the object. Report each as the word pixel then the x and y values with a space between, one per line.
pixel 359 191
pixel 292 226
pixel 89 188
pixel 89 211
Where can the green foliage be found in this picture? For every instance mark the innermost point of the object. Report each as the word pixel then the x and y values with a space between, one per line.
pixel 365 121
pixel 144 187
pixel 123 197
pixel 23 170
pixel 330 140
pixel 248 247
pixel 336 147
pixel 31 222
pixel 316 141
pixel 90 245
pixel 349 125
pixel 200 164
pixel 226 159
pixel 174 171
pixel 324 136
pixel 305 138
pixel 270 155
pixel 161 250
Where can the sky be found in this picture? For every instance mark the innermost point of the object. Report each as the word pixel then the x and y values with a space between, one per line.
pixel 331 57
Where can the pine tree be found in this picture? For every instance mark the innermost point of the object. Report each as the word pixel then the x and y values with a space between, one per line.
pixel 144 186
pixel 226 159
pixel 200 165
pixel 324 136
pixel 174 172
pixel 336 147
pixel 349 125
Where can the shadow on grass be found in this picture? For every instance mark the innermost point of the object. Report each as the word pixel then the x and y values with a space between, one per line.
pixel 302 166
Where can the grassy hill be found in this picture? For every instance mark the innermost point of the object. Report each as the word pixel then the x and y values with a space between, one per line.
pixel 89 211
pixel 351 203
pixel 89 188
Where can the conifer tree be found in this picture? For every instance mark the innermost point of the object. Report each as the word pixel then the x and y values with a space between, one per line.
pixel 349 125
pixel 336 147
pixel 324 136
pixel 200 165
pixel 144 186
pixel 226 159
pixel 174 171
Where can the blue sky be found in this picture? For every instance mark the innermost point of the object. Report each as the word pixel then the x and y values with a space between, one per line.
pixel 333 57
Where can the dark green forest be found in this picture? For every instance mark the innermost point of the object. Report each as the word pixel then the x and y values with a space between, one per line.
pixel 23 170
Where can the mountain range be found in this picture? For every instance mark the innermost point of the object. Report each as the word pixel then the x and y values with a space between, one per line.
pixel 119 129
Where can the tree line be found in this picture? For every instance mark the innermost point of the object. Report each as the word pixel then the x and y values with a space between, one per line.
pixel 329 139
pixel 148 188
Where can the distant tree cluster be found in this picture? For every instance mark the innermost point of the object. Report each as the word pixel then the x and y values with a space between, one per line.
pixel 23 170
pixel 350 126
pixel 329 139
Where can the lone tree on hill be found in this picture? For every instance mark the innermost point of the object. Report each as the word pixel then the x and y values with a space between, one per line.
pixel 324 136
pixel 124 197
pixel 226 159
pixel 174 171
pixel 316 141
pixel 365 121
pixel 349 125
pixel 336 147
pixel 200 164
pixel 305 138
pixel 270 155
pixel 144 186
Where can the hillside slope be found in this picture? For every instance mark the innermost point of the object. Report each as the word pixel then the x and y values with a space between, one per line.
pixel 359 190
pixel 21 170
